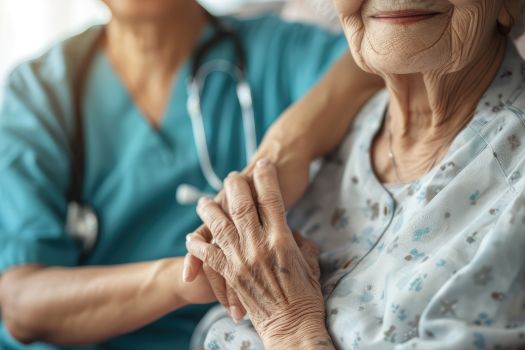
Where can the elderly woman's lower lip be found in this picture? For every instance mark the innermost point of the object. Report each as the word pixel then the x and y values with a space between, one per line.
pixel 404 19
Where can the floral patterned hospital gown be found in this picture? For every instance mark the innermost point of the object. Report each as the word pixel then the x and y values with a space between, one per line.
pixel 435 264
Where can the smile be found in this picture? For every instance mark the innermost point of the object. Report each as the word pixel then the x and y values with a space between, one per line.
pixel 405 17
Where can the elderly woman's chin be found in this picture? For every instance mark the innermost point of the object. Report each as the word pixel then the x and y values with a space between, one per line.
pixel 405 62
pixel 391 48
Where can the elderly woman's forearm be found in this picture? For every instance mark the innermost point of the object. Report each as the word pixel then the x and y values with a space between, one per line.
pixel 87 305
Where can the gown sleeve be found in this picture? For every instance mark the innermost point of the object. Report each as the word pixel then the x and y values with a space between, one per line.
pixel 34 170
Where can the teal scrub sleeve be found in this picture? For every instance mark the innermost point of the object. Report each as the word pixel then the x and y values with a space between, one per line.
pixel 309 53
pixel 34 173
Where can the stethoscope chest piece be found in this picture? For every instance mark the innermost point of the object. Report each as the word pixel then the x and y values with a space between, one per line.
pixel 82 224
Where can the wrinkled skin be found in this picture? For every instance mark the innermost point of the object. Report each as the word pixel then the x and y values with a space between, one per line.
pixel 294 170
pixel 446 43
pixel 436 70
pixel 275 276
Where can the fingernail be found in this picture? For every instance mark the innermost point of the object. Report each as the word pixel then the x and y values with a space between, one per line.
pixel 203 201
pixel 236 314
pixel 263 162
pixel 186 273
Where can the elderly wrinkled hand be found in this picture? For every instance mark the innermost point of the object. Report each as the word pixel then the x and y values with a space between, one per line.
pixel 293 171
pixel 258 256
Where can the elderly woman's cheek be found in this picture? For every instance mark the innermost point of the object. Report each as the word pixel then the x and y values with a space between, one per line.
pixel 479 3
pixel 473 26
pixel 347 7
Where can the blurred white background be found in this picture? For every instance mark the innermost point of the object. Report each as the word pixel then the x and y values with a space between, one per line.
pixel 27 27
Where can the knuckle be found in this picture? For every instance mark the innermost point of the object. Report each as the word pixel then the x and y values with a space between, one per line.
pixel 203 232
pixel 272 199
pixel 265 172
pixel 221 264
pixel 241 207
pixel 233 181
pixel 280 242
pixel 250 225
pixel 207 255
pixel 220 228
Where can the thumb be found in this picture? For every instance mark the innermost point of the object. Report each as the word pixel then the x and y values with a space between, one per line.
pixel 192 267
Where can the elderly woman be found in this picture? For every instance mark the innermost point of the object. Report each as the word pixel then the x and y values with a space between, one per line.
pixel 419 215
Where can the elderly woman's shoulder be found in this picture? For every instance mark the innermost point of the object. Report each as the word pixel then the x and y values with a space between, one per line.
pixel 505 135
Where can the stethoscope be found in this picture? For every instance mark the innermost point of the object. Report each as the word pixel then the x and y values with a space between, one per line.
pixel 82 221
pixel 188 194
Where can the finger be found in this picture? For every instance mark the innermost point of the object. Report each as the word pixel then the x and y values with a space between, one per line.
pixel 204 232
pixel 269 198
pixel 207 253
pixel 236 308
pixel 220 198
pixel 222 229
pixel 192 266
pixel 218 285
pixel 241 204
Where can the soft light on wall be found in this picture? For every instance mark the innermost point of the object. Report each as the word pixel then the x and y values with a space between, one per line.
pixel 27 27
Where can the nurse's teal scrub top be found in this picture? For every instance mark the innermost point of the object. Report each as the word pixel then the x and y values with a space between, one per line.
pixel 133 169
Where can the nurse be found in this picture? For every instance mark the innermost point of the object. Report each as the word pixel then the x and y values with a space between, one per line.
pixel 126 292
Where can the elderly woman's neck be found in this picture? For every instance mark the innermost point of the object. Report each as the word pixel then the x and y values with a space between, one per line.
pixel 426 112
pixel 435 106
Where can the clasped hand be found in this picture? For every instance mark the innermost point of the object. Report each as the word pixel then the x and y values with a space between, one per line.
pixel 274 273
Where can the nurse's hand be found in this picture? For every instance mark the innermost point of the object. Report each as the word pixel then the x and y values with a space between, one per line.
pixel 197 292
pixel 257 254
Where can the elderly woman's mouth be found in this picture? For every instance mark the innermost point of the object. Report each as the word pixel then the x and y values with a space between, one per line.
pixel 405 16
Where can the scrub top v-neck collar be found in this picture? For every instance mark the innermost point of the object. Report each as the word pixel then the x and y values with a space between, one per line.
pixel 122 102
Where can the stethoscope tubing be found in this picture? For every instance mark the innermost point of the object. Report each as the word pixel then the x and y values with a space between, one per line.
pixel 194 110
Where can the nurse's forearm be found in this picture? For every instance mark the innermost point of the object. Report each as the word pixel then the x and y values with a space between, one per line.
pixel 315 125
pixel 320 120
pixel 77 306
